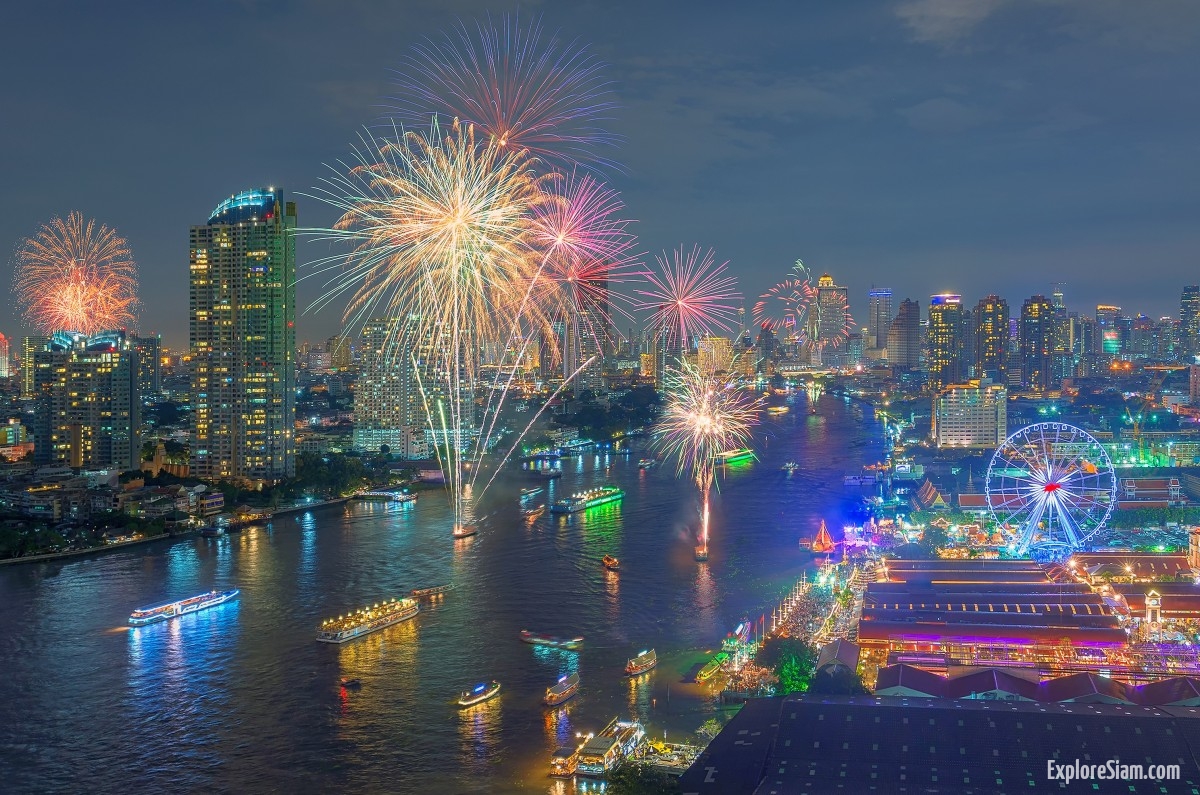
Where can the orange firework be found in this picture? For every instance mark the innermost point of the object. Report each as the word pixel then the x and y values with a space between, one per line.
pixel 76 275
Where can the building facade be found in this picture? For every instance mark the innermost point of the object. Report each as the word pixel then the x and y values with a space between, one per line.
pixel 1036 343
pixel 1189 321
pixel 388 409
pixel 831 323
pixel 904 336
pixel 149 353
pixel 991 338
pixel 945 363
pixel 972 415
pixel 242 289
pixel 879 318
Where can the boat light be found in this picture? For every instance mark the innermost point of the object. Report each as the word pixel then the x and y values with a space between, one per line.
pixel 643 651
pixel 479 688
pixel 562 678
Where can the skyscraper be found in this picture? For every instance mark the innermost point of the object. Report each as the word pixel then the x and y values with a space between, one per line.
pixel 88 408
pixel 338 347
pixel 387 400
pixel 945 340
pixel 1108 339
pixel 831 321
pixel 4 372
pixel 149 381
pixel 243 339
pixel 904 337
pixel 30 346
pixel 1189 320
pixel 990 356
pixel 879 317
pixel 1036 343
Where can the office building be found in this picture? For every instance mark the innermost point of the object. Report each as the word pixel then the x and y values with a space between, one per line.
pixel 1189 321
pixel 4 353
pixel 971 415
pixel 88 410
pixel 338 348
pixel 904 337
pixel 990 358
pixel 242 285
pixel 1036 343
pixel 148 360
pixel 30 346
pixel 387 400
pixel 831 323
pixel 945 363
pixel 1108 335
pixel 879 318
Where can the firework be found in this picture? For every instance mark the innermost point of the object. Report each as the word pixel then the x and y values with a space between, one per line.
pixel 785 308
pixel 519 87
pixel 76 275
pixel 442 236
pixel 690 297
pixel 704 416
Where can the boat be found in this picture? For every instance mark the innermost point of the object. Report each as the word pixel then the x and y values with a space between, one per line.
pixel 641 663
pixel 479 693
pixel 436 590
pixel 212 531
pixel 163 612
pixel 777 409
pixel 566 686
pixel 605 751
pixel 563 762
pixel 367 620
pixel 824 541
pixel 647 463
pixel 740 455
pixel 790 467
pixel 534 512
pixel 711 668
pixel 581 501
pixel 532 490
pixel 702 553
pixel 538 639
pixel 351 684
pixel 610 563
pixel 548 474
pixel 464 531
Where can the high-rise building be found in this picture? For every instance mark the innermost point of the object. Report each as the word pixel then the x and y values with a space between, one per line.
pixel 1194 385
pixel 831 322
pixel 148 359
pixel 904 336
pixel 714 355
pixel 243 340
pixel 387 399
pixel 338 348
pixel 88 410
pixel 30 346
pixel 1036 343
pixel 879 318
pixel 971 415
pixel 1108 335
pixel 4 365
pixel 1189 320
pixel 990 356
pixel 945 363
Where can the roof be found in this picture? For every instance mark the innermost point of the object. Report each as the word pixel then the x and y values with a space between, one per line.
pixel 908 680
pixel 1088 688
pixel 839 651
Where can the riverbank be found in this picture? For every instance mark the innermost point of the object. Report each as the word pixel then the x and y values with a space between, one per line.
pixel 97 550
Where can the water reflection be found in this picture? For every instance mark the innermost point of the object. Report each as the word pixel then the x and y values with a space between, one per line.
pixel 479 734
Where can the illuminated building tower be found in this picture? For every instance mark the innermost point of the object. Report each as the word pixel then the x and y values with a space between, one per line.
pixel 945 340
pixel 1166 346
pixel 4 371
pixel 879 318
pixel 714 355
pixel 338 348
pixel 832 321
pixel 88 408
pixel 149 380
pixel 971 415
pixel 584 339
pixel 904 337
pixel 1083 344
pixel 1036 343
pixel 30 346
pixel 1194 385
pixel 242 286
pixel 1141 338
pixel 387 398
pixel 990 356
pixel 1108 336
pixel 1189 321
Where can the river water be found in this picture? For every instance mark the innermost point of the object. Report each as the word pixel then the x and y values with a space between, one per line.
pixel 241 698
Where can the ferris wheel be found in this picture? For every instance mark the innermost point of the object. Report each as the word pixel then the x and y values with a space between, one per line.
pixel 1052 485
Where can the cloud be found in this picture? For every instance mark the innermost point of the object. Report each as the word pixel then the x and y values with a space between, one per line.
pixel 945 22
pixel 946 116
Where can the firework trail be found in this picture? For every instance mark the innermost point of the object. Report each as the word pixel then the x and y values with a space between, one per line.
pixel 76 275
pixel 704 416
pixel 520 88
pixel 691 296
pixel 442 237
pixel 785 308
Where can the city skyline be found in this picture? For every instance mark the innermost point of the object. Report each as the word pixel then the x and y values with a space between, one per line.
pixel 881 199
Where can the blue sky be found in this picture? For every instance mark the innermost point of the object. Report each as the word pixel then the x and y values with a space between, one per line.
pixel 923 145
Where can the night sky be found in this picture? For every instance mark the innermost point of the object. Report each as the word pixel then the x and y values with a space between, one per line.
pixel 925 145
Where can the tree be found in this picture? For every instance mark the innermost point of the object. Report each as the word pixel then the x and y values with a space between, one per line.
pixel 842 683
pixel 792 678
pixel 635 778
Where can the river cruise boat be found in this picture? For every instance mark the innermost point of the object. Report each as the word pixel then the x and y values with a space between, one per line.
pixel 647 463
pixel 701 553
pixel 641 663
pixel 531 513
pixel 566 686
pixel 479 693
pixel 538 639
pixel 711 668
pixel 777 409
pixel 790 467
pixel 150 615
pixel 464 531
pixel 738 456
pixel 591 498
pixel 611 563
pixel 604 752
pixel 426 593
pixel 532 491
pixel 563 762
pixel 367 620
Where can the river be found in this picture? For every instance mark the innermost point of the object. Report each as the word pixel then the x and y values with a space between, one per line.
pixel 240 698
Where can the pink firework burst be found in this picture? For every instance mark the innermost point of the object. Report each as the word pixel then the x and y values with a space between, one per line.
pixel 520 88
pixel 690 296
pixel 785 307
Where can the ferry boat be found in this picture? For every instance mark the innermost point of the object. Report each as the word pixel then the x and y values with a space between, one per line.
pixel 641 663
pixel 566 686
pixel 538 639
pixel 212 531
pixel 464 531
pixel 710 669
pixel 735 456
pixel 149 615
pixel 563 762
pixel 479 693
pixel 777 409
pixel 701 553
pixel 548 474
pixel 351 684
pixel 602 753
pixel 583 500
pixel 437 590
pixel 531 491
pixel 610 563
pixel 790 467
pixel 367 620
pixel 532 513
pixel 647 463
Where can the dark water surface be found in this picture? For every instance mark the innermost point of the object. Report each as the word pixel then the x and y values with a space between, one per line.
pixel 241 698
